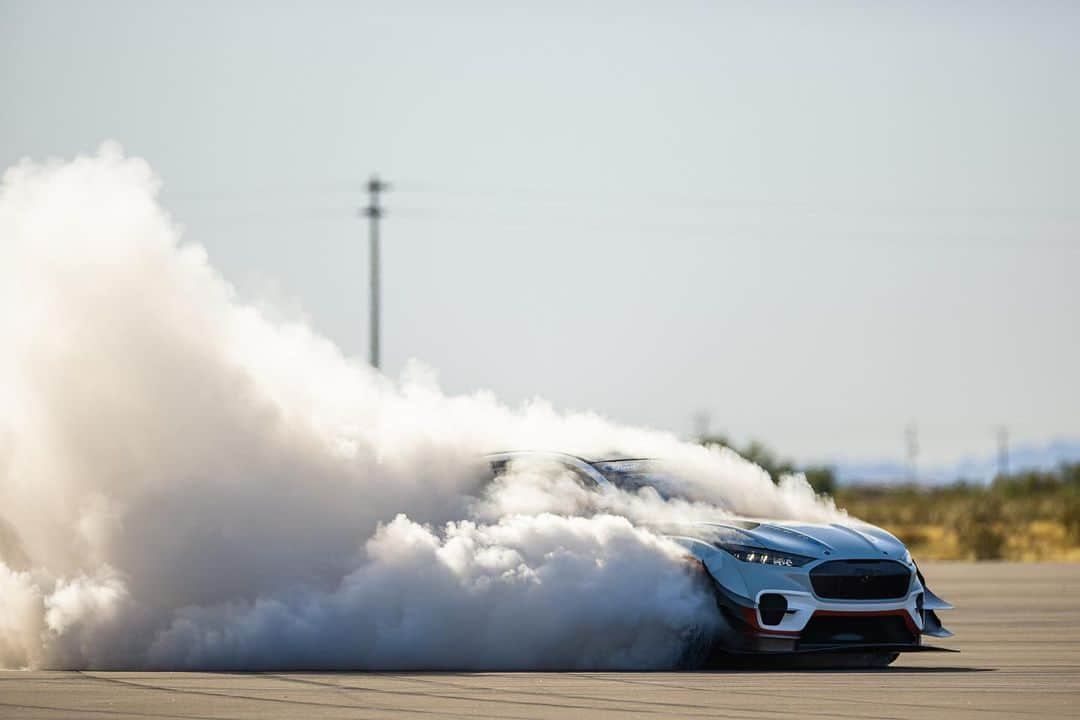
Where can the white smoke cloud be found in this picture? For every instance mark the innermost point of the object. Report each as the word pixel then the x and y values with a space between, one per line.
pixel 187 483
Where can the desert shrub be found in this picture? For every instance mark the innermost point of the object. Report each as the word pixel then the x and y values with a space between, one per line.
pixel 1070 517
pixel 1070 474
pixel 822 479
pixel 1026 484
pixel 1010 517
pixel 911 535
pixel 981 530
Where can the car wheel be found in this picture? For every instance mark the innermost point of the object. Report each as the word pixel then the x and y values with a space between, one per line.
pixel 881 659
pixel 841 661
pixel 865 660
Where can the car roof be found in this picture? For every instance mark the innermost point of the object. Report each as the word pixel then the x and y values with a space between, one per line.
pixel 507 454
pixel 576 461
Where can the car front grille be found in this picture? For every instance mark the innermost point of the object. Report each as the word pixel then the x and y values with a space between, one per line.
pixel 861 580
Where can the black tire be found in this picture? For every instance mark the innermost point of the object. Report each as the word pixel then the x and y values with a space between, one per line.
pixel 880 660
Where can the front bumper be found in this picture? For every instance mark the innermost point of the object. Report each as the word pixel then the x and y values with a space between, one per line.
pixel 813 625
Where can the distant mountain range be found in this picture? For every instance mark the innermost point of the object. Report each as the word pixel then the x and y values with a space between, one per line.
pixel 974 469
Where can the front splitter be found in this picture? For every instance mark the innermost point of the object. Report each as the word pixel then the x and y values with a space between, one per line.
pixel 846 648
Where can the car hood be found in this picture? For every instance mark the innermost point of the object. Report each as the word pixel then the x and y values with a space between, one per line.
pixel 834 540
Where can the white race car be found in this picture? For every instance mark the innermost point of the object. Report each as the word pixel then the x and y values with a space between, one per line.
pixel 835 594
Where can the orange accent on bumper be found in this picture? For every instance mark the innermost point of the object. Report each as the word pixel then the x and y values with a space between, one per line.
pixel 751 619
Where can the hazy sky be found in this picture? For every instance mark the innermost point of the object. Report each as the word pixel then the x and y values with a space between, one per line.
pixel 817 222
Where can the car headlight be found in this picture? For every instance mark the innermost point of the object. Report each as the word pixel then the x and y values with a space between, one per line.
pixel 763 556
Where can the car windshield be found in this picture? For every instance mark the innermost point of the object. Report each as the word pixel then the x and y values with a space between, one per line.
pixel 632 475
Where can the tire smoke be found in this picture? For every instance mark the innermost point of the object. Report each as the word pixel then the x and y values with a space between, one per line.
pixel 186 483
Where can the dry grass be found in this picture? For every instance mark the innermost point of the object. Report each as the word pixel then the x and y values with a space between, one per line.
pixel 1028 517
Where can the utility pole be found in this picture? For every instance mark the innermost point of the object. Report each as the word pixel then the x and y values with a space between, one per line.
pixel 702 425
pixel 1003 451
pixel 374 212
pixel 911 443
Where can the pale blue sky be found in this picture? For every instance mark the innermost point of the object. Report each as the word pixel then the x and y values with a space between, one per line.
pixel 818 221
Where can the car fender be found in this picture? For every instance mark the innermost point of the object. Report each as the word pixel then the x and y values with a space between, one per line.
pixel 931 622
pixel 717 563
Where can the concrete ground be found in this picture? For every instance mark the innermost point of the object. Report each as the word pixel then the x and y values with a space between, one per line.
pixel 1018 627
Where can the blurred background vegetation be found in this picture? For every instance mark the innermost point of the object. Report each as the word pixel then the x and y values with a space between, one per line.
pixel 1029 516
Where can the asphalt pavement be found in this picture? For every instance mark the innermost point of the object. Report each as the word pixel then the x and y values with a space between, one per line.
pixel 1017 627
